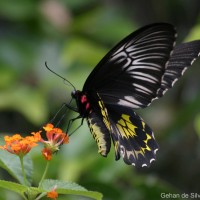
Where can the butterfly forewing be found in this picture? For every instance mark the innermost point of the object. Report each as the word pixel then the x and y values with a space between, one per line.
pixel 182 57
pixel 135 66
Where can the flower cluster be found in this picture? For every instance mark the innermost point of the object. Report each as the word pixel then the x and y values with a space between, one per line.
pixel 20 146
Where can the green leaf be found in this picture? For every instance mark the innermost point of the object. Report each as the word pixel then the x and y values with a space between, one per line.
pixel 62 187
pixel 31 192
pixel 11 163
pixel 65 187
pixel 15 187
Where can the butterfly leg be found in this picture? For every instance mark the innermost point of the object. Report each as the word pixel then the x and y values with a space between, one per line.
pixel 70 123
pixel 60 109
pixel 61 113
pixel 71 108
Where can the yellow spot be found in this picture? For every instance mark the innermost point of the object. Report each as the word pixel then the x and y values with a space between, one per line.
pixel 143 125
pixel 105 115
pixel 122 122
pixel 126 127
pixel 116 146
pixel 148 138
pixel 146 149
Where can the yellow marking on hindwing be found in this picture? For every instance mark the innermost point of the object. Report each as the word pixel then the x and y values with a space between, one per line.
pixel 98 136
pixel 116 146
pixel 96 130
pixel 143 125
pixel 126 127
pixel 139 152
pixel 127 130
pixel 149 137
pixel 146 141
pixel 105 115
pixel 134 153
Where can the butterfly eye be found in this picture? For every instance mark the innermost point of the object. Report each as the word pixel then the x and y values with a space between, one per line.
pixel 74 94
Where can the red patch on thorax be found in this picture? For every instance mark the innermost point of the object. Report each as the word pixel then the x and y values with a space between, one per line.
pixel 87 106
pixel 84 101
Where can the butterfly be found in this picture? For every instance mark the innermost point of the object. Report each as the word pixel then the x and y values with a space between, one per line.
pixel 138 70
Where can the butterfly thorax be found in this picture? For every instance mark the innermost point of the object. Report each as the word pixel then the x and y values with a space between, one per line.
pixel 83 104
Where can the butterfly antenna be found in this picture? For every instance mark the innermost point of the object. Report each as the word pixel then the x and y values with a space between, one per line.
pixel 59 76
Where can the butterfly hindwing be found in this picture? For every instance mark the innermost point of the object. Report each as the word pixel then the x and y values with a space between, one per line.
pixel 100 133
pixel 132 138
pixel 100 127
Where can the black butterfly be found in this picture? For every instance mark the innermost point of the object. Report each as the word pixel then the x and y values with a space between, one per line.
pixel 139 69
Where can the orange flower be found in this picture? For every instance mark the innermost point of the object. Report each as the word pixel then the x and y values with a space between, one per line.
pixel 19 145
pixel 55 135
pixel 37 135
pixel 52 194
pixel 48 127
pixel 47 153
pixel 55 138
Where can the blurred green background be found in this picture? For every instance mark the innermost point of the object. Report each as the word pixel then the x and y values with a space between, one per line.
pixel 72 36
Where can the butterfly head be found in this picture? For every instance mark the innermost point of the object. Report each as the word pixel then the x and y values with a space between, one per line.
pixel 75 94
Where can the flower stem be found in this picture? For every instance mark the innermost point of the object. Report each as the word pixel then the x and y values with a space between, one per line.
pixel 44 174
pixel 23 171
pixel 41 195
